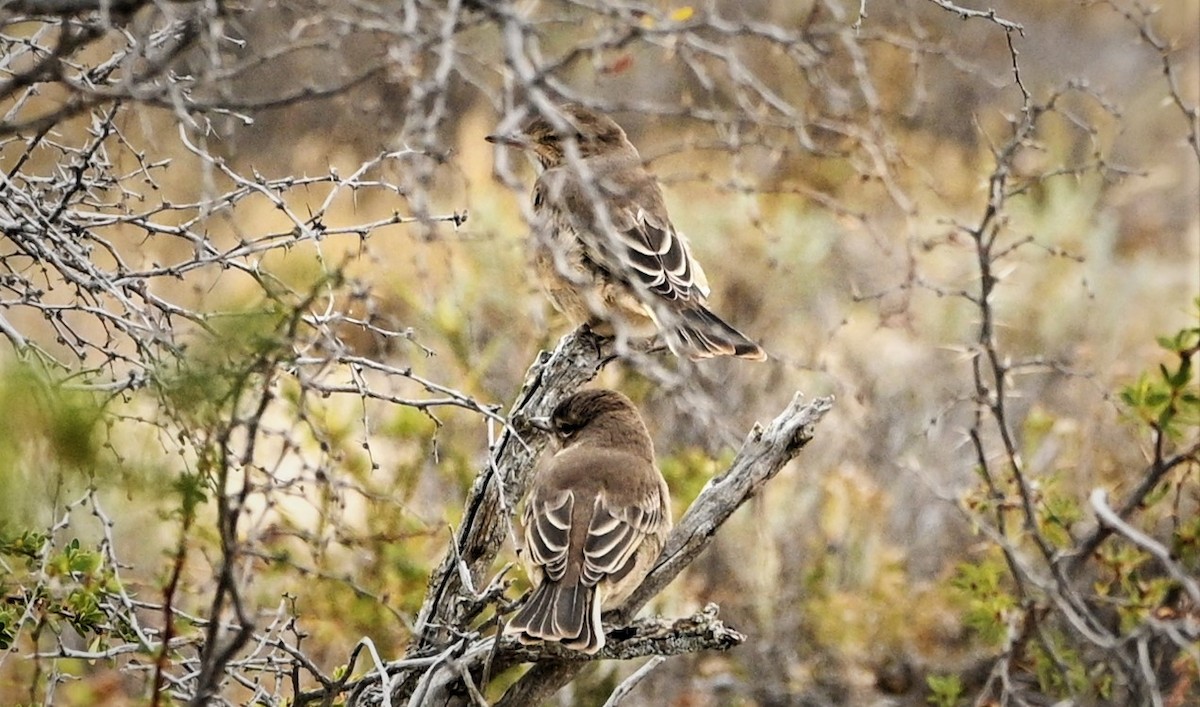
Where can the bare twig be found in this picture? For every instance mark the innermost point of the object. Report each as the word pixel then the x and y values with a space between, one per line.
pixel 630 683
pixel 1110 518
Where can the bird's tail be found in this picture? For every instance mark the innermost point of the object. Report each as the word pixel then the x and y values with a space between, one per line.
pixel 565 613
pixel 698 334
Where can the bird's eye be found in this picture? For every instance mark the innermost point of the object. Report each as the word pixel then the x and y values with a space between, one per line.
pixel 578 137
pixel 566 428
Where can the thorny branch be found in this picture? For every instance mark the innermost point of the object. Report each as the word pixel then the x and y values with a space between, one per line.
pixel 114 276
pixel 1047 585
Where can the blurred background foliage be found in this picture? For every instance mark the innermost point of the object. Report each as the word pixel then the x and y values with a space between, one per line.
pixel 833 238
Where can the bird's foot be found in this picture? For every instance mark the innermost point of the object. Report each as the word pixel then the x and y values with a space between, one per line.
pixel 599 343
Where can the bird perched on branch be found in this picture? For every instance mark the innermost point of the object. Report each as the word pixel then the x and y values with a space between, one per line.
pixel 595 520
pixel 605 248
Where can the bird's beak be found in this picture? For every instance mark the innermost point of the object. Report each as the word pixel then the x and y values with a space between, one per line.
pixel 512 139
pixel 540 423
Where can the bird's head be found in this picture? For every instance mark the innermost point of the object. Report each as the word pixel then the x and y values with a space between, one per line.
pixel 596 417
pixel 547 138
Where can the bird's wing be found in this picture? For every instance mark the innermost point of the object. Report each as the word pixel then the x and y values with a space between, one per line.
pixel 656 254
pixel 548 531
pixel 642 246
pixel 613 536
pixel 615 533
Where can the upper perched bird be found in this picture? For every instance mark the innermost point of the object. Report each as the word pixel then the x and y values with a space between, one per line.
pixel 605 249
pixel 595 520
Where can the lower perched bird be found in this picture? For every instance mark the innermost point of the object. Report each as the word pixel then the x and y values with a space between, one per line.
pixel 596 518
pixel 605 248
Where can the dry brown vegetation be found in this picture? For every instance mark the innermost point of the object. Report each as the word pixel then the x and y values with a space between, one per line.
pixel 265 311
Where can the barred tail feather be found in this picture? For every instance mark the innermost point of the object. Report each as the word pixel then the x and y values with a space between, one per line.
pixel 568 614
pixel 701 334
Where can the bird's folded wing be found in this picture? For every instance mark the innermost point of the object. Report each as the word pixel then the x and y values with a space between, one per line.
pixel 652 253
pixel 614 535
pixel 624 227
pixel 548 531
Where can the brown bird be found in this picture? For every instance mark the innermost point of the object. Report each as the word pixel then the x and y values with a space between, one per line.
pixel 596 518
pixel 604 246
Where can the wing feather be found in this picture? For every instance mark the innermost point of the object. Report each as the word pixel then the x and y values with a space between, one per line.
pixel 642 246
pixel 656 255
pixel 548 531
pixel 615 534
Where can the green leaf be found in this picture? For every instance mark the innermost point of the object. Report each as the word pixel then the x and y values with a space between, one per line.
pixel 946 690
